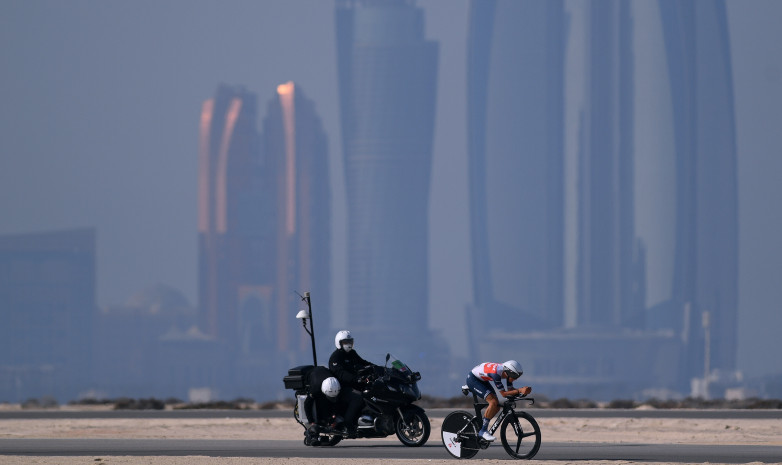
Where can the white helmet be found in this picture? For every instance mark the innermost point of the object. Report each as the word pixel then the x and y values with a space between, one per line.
pixel 330 387
pixel 512 368
pixel 343 335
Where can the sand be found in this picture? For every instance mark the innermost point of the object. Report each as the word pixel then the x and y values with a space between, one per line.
pixel 601 430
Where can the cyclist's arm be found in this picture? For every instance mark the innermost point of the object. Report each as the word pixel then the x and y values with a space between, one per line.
pixel 497 379
pixel 513 392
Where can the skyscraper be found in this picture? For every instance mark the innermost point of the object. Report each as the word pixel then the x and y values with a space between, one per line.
pixel 295 151
pixel 606 275
pixel 706 270
pixel 387 87
pixel 264 230
pixel 516 135
pixel 648 185
pixel 47 296
pixel 233 234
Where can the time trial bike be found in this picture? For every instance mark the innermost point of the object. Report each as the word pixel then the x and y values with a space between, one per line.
pixel 519 432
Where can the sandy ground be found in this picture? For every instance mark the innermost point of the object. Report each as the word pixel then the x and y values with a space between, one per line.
pixel 607 430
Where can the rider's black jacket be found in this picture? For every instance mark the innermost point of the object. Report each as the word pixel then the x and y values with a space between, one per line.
pixel 347 403
pixel 316 399
pixel 345 366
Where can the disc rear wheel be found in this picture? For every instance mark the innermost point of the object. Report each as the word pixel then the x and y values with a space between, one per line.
pixel 460 434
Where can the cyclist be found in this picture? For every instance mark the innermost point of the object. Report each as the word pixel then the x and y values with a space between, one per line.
pixel 480 381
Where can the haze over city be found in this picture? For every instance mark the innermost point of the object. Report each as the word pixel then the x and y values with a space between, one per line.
pixel 99 128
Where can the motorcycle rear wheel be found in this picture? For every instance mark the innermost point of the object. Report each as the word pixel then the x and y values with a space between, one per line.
pixel 330 440
pixel 418 428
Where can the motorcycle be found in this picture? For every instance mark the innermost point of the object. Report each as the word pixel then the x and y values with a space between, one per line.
pixel 388 394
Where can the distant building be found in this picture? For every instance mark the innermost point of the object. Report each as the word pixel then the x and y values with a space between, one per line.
pixel 607 278
pixel 515 98
pixel 705 279
pixel 234 236
pixel 264 234
pixel 133 358
pixel 648 243
pixel 47 307
pixel 387 87
pixel 296 166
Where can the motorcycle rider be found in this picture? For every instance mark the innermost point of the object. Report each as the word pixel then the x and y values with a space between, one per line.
pixel 480 381
pixel 327 402
pixel 345 361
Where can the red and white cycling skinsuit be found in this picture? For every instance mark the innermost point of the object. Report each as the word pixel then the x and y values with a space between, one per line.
pixel 491 373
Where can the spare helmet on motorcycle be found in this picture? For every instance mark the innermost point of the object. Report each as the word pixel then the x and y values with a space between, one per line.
pixel 512 368
pixel 330 387
pixel 344 337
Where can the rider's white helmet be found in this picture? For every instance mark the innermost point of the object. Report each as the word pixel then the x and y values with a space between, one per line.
pixel 345 336
pixel 330 387
pixel 512 368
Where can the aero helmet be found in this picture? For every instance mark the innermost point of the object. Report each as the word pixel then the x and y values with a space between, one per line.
pixel 512 368
pixel 343 335
pixel 330 387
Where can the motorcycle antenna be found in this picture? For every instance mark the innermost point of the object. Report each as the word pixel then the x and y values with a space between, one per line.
pixel 305 315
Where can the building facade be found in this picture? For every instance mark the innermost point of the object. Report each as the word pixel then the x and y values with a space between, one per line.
pixel 233 236
pixel 705 284
pixel 47 302
pixel 387 87
pixel 516 136
pixel 649 235
pixel 296 160
pixel 264 233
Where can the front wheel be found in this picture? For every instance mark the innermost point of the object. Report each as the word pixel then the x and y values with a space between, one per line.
pixel 520 435
pixel 460 434
pixel 415 429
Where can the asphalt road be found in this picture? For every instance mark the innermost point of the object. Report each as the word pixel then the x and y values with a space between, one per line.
pixel 364 449
pixel 433 413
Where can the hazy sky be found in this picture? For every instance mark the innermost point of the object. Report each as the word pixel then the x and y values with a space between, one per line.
pixel 99 108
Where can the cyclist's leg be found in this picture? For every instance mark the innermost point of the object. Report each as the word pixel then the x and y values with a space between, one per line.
pixel 484 390
pixel 494 406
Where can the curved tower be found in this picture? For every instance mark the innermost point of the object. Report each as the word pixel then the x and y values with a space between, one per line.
pixel 706 271
pixel 387 85
pixel 228 171
pixel 515 134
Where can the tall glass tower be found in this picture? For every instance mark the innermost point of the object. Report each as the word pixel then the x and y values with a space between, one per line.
pixel 387 85
pixel 644 189
pixel 515 128
pixel 706 271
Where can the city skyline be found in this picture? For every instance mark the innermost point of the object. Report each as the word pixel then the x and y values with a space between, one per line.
pixel 454 288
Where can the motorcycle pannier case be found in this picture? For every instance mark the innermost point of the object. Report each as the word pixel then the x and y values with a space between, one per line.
pixel 297 377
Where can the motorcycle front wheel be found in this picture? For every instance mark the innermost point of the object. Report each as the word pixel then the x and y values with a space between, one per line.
pixel 415 429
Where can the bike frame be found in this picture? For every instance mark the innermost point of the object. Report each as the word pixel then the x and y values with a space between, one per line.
pixel 507 407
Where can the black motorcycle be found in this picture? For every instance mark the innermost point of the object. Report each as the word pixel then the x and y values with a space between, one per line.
pixel 389 392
